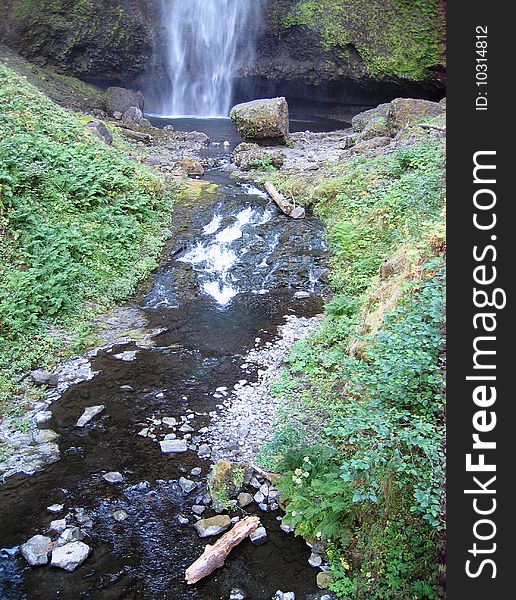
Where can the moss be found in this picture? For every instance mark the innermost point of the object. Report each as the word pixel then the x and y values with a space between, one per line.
pixel 394 38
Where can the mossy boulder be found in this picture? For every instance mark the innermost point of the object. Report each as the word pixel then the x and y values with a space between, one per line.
pixel 361 121
pixel 264 119
pixel 252 156
pixel 120 100
pixel 213 526
pixel 405 112
pixel 225 481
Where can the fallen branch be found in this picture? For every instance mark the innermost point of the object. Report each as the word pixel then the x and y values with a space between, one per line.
pixel 291 210
pixel 214 556
pixel 136 135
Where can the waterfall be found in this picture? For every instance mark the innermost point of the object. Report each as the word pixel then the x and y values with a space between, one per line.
pixel 206 41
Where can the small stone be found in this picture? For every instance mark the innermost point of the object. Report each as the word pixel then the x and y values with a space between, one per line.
pixel 173 446
pixel 128 356
pixel 196 471
pixel 127 388
pixel 55 508
pixel 71 534
pixel 204 450
pixel 186 428
pixel 315 560
pixel 187 485
pixel 244 499
pixel 264 489
pixel 42 377
pixel 59 525
pixel 197 509
pixel 36 550
pixel 88 414
pixel 286 528
pixel 170 436
pixel 258 536
pixel 113 477
pixel 255 483
pixel 279 595
pixel 323 579
pixel 70 556
pixel 119 515
pixel 236 594
pixel 143 432
pixel 42 417
pixel 259 497
pixel 44 436
pixel 213 525
pixel 182 520
pixel 169 421
pixel 263 507
pixel 301 295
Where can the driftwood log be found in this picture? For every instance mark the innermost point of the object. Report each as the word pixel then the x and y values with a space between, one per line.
pixel 214 556
pixel 135 135
pixel 291 210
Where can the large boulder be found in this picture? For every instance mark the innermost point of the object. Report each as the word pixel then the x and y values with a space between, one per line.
pixel 251 156
pixel 265 119
pixel 360 121
pixel 405 112
pixel 120 100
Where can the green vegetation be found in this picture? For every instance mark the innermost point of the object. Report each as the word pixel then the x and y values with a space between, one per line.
pixel 80 226
pixel 364 472
pixel 401 38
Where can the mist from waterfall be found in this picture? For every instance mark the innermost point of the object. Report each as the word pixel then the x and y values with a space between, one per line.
pixel 206 41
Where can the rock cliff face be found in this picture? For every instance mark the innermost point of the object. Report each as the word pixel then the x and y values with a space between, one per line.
pixel 352 51
pixel 110 40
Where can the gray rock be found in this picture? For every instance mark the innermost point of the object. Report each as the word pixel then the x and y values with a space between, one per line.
pixel 70 556
pixel 182 520
pixel 244 499
pixel 405 112
pixel 119 515
pixel 204 450
pixel 42 417
pixel 113 477
pixel 187 485
pixel 236 594
pixel 169 421
pixel 196 471
pixel 119 100
pixel 213 525
pixel 71 534
pixel 262 119
pixel 88 414
pixel 173 446
pixel 286 528
pixel 36 550
pixel 132 116
pixel 59 525
pixel 44 436
pixel 300 295
pixel 359 122
pixel 55 508
pixel 259 497
pixel 198 509
pixel 258 536
pixel 99 129
pixel 192 166
pixel 264 489
pixel 279 595
pixel 315 560
pixel 42 377
pixel 127 388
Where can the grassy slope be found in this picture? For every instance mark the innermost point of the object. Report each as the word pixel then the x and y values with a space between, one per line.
pixel 402 38
pixel 367 478
pixel 80 225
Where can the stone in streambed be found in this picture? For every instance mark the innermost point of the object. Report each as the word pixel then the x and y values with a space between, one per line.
pixel 323 580
pixel 244 499
pixel 265 119
pixel 198 509
pixel 315 560
pixel 70 556
pixel 187 485
pixel 213 525
pixel 173 446
pixel 55 508
pixel 36 550
pixel 119 100
pixel 119 515
pixel 71 534
pixel 58 526
pixel 42 377
pixel 88 414
pixel 258 536
pixel 113 477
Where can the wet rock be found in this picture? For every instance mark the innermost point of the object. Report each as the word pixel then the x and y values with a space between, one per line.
pixel 127 356
pixel 36 550
pixel 119 515
pixel 127 388
pixel 71 534
pixel 182 520
pixel 264 489
pixel 173 446
pixel 187 485
pixel 286 528
pixel 226 478
pixel 119 100
pixel 405 112
pixel 99 129
pixel 192 166
pixel 259 497
pixel 83 518
pixel 113 477
pixel 55 508
pixel 258 536
pixel 262 119
pixel 132 116
pixel 196 471
pixel 88 414
pixel 377 127
pixel 244 499
pixel 42 377
pixel 58 526
pixel 315 560
pixel 323 580
pixel 213 525
pixel 253 157
pixel 70 556
pixel 169 421
pixel 198 509
pixel 279 595
pixel 204 450
pixel 42 417
pixel 236 594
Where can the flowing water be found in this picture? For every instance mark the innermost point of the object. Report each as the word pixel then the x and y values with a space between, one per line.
pixel 206 39
pixel 228 276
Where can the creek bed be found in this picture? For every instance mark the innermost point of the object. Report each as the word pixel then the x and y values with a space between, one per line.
pixel 228 277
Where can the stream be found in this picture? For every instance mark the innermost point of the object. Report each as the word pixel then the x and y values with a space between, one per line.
pixel 228 277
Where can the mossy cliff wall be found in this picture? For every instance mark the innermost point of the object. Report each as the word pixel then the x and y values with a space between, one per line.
pixel 95 39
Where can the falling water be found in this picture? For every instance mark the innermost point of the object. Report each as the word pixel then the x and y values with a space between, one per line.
pixel 206 42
